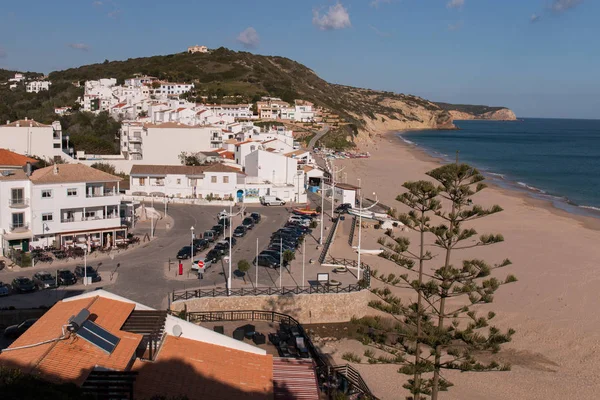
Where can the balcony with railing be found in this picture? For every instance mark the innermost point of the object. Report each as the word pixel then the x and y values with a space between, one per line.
pixel 135 139
pixel 20 227
pixel 19 202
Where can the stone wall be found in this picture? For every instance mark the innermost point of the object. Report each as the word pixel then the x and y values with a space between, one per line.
pixel 306 308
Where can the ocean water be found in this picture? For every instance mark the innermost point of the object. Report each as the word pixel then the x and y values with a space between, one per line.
pixel 552 159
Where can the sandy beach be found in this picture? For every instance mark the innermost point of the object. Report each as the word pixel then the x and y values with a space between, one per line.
pixel 555 353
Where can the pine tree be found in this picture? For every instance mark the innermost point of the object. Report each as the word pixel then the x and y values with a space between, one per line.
pixel 450 336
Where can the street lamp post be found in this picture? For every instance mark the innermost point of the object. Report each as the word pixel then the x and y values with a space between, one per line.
pixel 192 246
pixel 322 211
pixel 360 211
pixel 230 216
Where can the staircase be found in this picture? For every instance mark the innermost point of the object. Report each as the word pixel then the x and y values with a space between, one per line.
pixel 294 379
pixel 329 241
pixel 351 237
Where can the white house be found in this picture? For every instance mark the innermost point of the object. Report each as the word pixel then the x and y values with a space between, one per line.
pixel 182 181
pixel 345 193
pixel 37 86
pixel 65 205
pixel 303 156
pixel 197 49
pixel 32 138
pixel 231 110
pixel 17 78
pixel 172 88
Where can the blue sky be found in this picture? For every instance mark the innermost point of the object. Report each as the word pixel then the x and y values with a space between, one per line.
pixel 539 57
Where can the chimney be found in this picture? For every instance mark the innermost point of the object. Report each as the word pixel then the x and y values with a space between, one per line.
pixel 28 168
pixel 25 118
pixel 18 124
pixel 55 170
pixel 7 121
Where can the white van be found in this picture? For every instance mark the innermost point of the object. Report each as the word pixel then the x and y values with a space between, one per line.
pixel 271 201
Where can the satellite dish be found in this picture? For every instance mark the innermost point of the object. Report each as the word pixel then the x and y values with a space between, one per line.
pixel 177 331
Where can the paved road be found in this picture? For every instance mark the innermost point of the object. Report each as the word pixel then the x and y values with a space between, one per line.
pixel 318 136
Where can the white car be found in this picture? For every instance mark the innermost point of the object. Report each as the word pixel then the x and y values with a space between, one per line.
pixel 299 220
pixel 207 264
pixel 272 201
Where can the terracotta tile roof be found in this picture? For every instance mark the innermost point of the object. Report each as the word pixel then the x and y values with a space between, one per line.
pixel 307 168
pixel 180 169
pixel 15 175
pixel 11 159
pixel 72 359
pixel 71 173
pixel 230 141
pixel 25 123
pixel 247 141
pixel 200 370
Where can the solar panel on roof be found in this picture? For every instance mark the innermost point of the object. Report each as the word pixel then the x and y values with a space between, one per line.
pixel 98 336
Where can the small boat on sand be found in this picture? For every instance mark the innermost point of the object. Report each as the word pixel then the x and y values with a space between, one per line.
pixel 305 211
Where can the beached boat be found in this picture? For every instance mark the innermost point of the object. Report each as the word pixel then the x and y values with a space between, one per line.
pixel 305 211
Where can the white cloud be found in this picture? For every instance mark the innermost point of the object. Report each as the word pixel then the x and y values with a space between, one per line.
pixel 564 5
pixel 455 3
pixel 455 27
pixel 337 17
pixel 79 46
pixel 249 38
pixel 534 18
pixel 377 3
pixel 2 53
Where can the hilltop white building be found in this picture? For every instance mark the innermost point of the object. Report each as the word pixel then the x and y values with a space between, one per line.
pixel 37 86
pixel 197 49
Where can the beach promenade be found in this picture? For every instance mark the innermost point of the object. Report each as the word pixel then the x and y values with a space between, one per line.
pixel 553 306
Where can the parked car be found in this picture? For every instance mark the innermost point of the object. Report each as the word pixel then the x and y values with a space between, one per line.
pixel 201 244
pixel 299 228
pixel 291 231
pixel 4 289
pixel 264 260
pixel 343 208
pixel 222 247
pixel 14 331
pixel 256 217
pixel 207 264
pixel 224 221
pixel 66 277
pixel 90 272
pixel 285 237
pixel 248 223
pixel 271 201
pixel 219 229
pixel 23 285
pixel 213 256
pixel 240 231
pixel 275 253
pixel 210 236
pixel 185 253
pixel 277 245
pixel 44 280
pixel 299 220
pixel 233 241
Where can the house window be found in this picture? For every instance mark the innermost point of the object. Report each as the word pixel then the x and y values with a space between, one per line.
pixel 90 214
pixel 142 181
pixel 71 192
pixel 179 181
pixel 18 220
pixel 213 179
pixel 225 179
pixel 17 196
pixel 46 194
pixel 47 217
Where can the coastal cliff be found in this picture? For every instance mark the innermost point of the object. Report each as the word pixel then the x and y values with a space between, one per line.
pixel 468 111
pixel 503 114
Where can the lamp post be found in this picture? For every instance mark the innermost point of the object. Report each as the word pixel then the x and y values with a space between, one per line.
pixel 256 265
pixel 335 172
pixel 230 216
pixel 280 263
pixel 359 183
pixel 360 211
pixel 192 246
pixel 322 211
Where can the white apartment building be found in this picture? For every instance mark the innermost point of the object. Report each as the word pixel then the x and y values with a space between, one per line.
pixel 138 81
pixel 301 111
pixel 172 88
pixel 231 110
pixel 17 78
pixel 37 86
pixel 164 143
pixel 63 205
pixel 217 181
pixel 271 167
pixel 32 138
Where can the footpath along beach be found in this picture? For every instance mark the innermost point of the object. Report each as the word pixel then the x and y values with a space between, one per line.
pixel 553 307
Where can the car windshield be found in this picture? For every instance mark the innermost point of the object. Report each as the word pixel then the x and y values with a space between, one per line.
pixel 45 277
pixel 65 273
pixel 22 281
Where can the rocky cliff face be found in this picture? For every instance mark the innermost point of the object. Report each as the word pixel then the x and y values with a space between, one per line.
pixel 504 114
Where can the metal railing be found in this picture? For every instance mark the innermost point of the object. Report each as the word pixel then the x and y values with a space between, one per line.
pixel 325 371
pixel 18 227
pixel 329 240
pixel 266 291
pixel 18 202
pixel 352 228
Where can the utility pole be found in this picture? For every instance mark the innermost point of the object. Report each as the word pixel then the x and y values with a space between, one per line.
pixel 322 211
pixel 360 211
